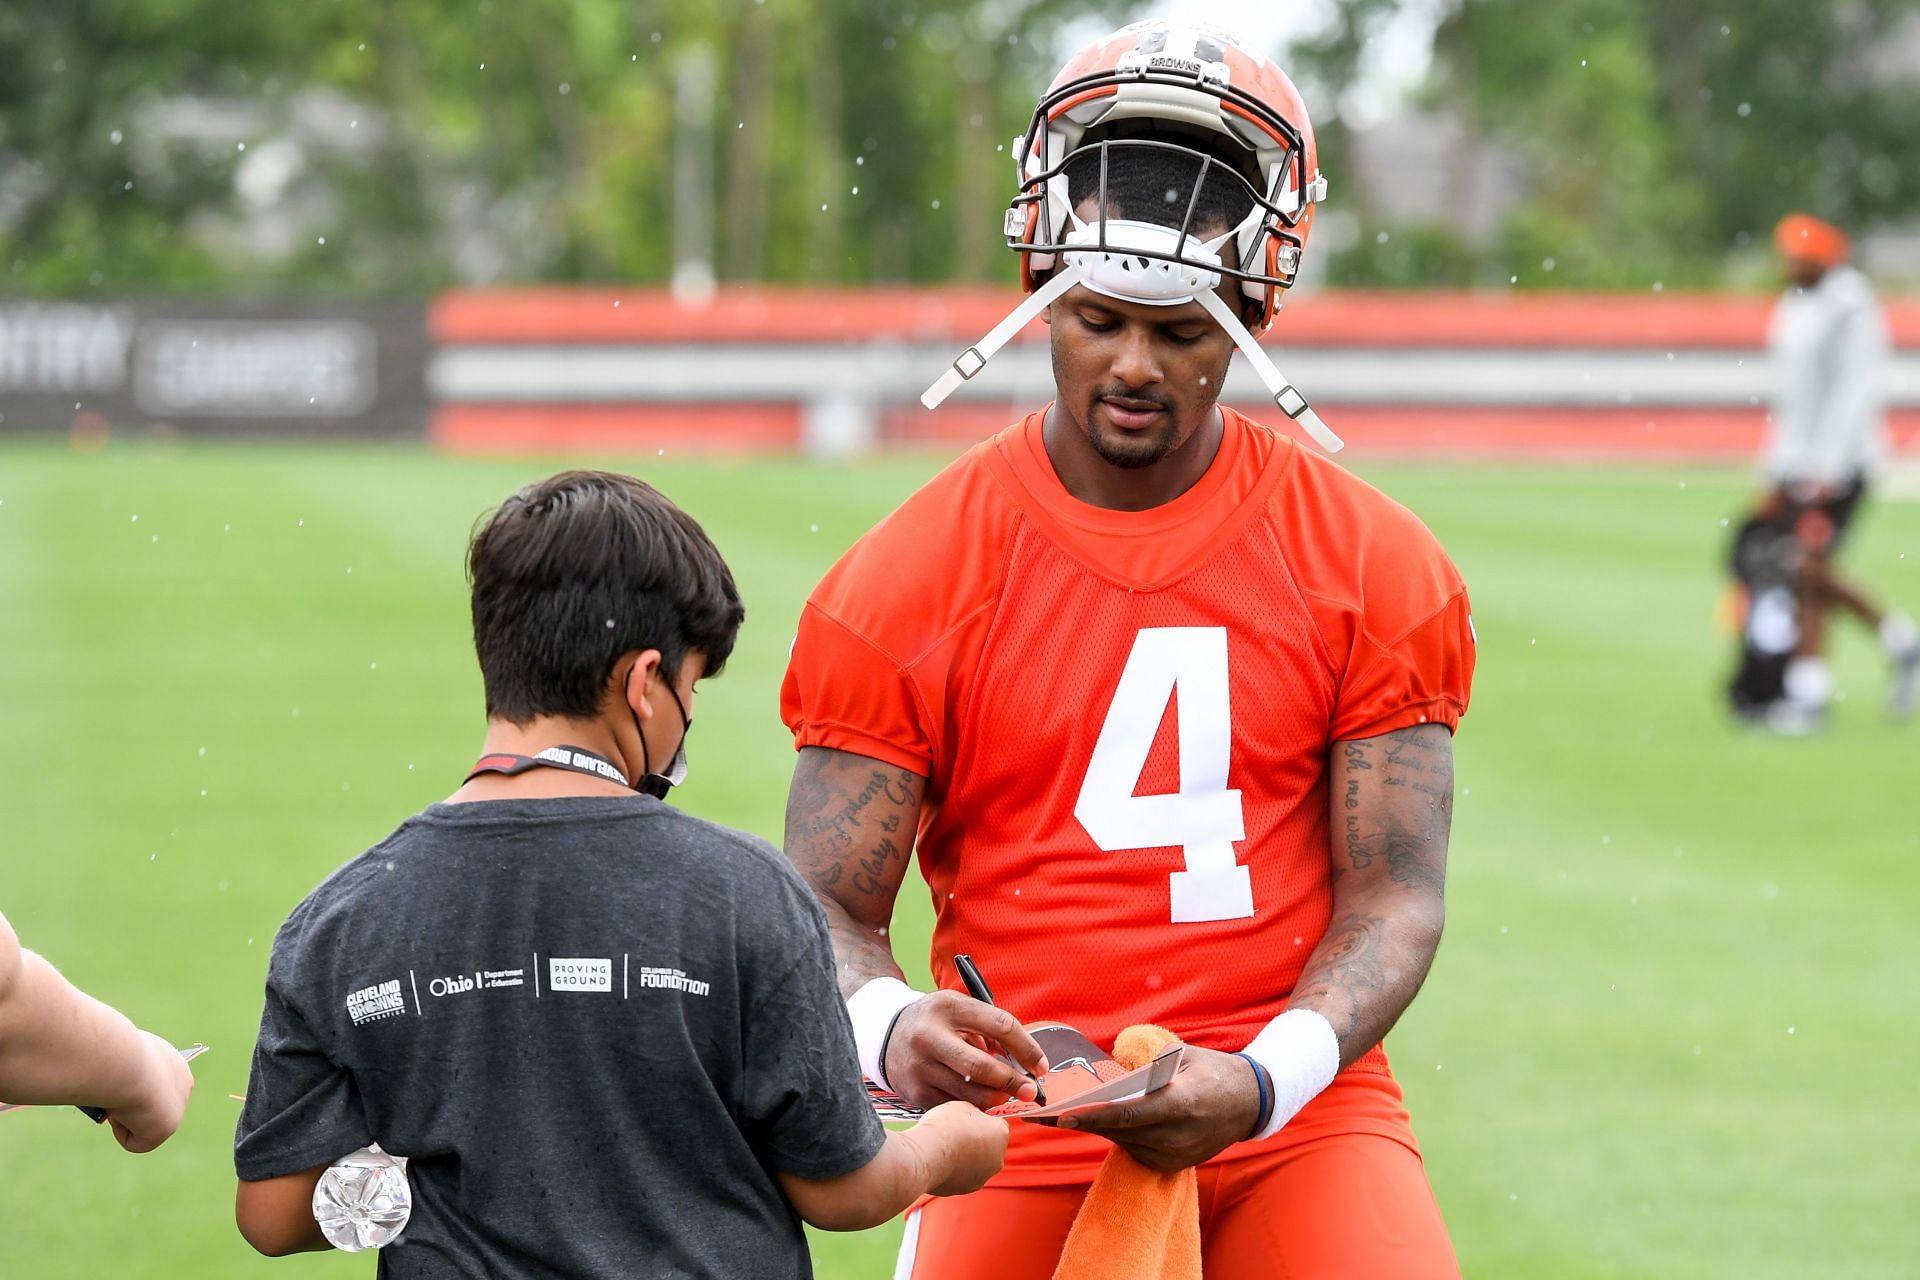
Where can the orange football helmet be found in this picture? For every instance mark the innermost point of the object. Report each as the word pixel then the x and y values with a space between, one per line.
pixel 1190 84
pixel 1231 118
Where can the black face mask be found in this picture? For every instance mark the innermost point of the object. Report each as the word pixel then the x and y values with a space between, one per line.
pixel 658 784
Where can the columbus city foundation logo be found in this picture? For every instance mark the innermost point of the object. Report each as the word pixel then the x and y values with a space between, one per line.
pixel 663 979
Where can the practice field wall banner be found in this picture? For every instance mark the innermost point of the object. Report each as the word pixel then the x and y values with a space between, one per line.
pixel 268 369
pixel 1671 376
pixel 829 372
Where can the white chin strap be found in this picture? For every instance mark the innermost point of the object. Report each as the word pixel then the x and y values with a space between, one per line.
pixel 975 357
pixel 1284 393
pixel 1108 268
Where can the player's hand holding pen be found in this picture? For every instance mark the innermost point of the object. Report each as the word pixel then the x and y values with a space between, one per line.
pixel 977 988
pixel 947 1047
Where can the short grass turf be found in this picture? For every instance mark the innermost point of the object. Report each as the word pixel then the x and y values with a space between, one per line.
pixel 1671 1031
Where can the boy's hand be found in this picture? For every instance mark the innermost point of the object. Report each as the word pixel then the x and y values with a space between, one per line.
pixel 973 1145
pixel 165 1082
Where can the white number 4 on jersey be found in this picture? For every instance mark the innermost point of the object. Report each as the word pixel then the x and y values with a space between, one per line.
pixel 1203 817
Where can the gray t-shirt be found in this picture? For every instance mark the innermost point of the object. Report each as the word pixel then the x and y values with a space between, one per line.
pixel 597 1026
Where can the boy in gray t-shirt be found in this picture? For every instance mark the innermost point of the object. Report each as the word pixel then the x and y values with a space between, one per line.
pixel 606 1034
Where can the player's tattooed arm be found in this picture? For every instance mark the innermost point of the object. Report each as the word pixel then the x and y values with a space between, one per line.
pixel 1392 801
pixel 850 829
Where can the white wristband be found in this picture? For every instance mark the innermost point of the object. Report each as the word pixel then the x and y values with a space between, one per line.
pixel 872 1010
pixel 1301 1055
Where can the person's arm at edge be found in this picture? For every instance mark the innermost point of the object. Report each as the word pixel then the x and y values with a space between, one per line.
pixel 60 1045
pixel 850 828
pixel 951 1151
pixel 276 1214
pixel 851 823
pixel 1392 803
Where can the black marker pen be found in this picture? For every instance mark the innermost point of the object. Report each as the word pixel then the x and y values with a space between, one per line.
pixel 977 988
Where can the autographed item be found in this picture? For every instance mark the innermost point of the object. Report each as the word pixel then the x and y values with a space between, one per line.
pixel 1080 1074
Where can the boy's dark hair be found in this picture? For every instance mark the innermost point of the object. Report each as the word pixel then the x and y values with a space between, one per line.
pixel 1154 184
pixel 579 568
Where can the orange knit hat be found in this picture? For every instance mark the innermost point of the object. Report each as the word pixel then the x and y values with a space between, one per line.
pixel 1801 235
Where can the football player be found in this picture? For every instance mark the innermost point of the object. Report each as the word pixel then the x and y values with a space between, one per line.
pixel 1828 341
pixel 1164 701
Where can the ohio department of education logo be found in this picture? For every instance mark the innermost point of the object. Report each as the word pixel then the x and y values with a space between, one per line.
pixel 382 1000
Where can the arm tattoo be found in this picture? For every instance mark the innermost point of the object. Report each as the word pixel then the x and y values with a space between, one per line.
pixel 1406 822
pixel 1392 807
pixel 850 828
pixel 839 829
pixel 1348 960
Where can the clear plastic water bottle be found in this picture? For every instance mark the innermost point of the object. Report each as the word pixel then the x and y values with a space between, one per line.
pixel 363 1201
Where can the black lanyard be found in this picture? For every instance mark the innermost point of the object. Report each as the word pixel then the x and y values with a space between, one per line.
pixel 573 759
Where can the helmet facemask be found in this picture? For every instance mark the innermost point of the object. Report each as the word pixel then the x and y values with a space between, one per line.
pixel 1151 203
pixel 1194 217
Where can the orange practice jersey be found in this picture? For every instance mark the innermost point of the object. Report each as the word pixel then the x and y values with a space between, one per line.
pixel 1125 720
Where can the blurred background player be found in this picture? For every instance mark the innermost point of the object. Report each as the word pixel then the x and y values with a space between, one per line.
pixel 1163 699
pixel 604 1032
pixel 1828 342
pixel 58 1045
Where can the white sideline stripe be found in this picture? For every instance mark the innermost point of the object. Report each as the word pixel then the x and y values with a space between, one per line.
pixel 909 1247
pixel 890 373
pixel 1899 481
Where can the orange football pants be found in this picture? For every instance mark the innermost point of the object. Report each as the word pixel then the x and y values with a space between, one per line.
pixel 1335 1208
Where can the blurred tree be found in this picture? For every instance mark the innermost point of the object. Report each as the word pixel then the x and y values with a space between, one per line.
pixel 365 146
pixel 1663 136
pixel 87 199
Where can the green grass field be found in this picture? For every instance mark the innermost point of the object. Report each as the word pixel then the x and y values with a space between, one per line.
pixel 1672 1030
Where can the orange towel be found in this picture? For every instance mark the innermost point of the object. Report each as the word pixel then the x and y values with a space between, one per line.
pixel 1135 1224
